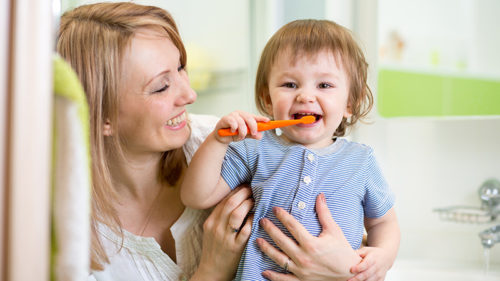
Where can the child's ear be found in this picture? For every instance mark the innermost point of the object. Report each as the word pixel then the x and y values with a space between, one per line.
pixel 268 103
pixel 348 110
pixel 106 129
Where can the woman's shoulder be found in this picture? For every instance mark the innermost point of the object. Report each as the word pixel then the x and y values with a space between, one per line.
pixel 201 126
pixel 203 121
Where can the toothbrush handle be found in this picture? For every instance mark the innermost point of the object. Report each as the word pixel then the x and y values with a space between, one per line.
pixel 261 126
pixel 226 133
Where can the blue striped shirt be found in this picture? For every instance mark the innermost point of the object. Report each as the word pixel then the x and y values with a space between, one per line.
pixel 291 176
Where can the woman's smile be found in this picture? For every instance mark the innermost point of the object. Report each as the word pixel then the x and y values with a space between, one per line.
pixel 178 122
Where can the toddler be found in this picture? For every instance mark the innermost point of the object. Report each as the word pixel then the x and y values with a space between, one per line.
pixel 309 67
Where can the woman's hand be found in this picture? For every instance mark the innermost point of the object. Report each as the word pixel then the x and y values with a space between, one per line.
pixel 326 257
pixel 225 236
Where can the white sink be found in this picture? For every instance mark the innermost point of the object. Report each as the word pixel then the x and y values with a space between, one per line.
pixel 412 270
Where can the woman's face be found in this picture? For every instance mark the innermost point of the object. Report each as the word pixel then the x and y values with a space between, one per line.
pixel 153 93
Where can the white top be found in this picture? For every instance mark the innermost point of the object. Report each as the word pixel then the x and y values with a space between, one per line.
pixel 141 258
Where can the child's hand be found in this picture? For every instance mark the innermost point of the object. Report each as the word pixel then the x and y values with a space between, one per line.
pixel 374 265
pixel 243 122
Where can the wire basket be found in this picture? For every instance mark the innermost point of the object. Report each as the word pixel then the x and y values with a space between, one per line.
pixel 465 214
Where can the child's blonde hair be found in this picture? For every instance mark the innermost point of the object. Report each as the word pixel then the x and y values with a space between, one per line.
pixel 309 37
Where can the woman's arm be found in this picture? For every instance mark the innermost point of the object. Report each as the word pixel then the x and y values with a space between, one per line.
pixel 326 257
pixel 222 247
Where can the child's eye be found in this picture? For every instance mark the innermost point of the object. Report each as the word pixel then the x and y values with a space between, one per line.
pixel 289 85
pixel 325 85
pixel 162 89
pixel 181 68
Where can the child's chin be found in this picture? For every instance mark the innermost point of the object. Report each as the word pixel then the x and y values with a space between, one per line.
pixel 304 139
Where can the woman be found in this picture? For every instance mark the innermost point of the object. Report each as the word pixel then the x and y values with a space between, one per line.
pixel 131 61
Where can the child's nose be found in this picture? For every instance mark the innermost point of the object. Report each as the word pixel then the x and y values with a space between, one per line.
pixel 305 97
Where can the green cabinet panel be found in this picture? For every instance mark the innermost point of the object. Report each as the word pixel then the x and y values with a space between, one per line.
pixel 406 93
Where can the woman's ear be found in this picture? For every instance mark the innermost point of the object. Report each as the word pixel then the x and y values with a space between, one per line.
pixel 107 131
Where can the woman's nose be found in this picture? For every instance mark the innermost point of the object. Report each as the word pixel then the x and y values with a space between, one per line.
pixel 186 94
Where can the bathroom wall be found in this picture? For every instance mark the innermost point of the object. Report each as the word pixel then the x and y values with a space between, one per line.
pixel 216 34
pixel 440 162
pixel 433 163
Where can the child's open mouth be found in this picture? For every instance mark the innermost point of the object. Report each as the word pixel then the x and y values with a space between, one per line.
pixel 300 115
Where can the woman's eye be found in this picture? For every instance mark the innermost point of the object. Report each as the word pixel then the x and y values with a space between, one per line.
pixel 162 89
pixel 181 68
pixel 325 85
pixel 289 85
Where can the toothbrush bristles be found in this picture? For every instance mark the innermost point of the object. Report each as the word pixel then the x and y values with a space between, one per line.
pixel 308 119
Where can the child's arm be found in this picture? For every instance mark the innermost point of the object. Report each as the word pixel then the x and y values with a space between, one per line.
pixel 203 186
pixel 382 247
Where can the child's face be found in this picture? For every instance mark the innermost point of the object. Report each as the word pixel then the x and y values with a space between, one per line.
pixel 313 85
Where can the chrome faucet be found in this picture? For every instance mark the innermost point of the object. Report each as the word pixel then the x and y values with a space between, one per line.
pixel 489 192
pixel 490 236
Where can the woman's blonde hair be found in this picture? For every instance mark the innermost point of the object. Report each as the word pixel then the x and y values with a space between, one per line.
pixel 93 39
pixel 309 37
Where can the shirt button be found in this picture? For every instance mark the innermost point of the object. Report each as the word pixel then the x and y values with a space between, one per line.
pixel 310 157
pixel 307 179
pixel 301 205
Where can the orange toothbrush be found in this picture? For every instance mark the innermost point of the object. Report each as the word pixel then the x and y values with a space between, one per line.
pixel 264 126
